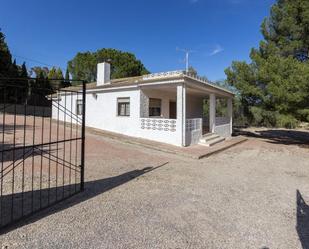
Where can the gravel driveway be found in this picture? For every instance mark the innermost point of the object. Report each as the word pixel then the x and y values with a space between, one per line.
pixel 255 195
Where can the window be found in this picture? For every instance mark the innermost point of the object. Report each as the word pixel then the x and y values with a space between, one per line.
pixel 123 105
pixel 154 107
pixel 79 107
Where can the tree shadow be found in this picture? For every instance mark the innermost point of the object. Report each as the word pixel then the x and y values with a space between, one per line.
pixel 302 220
pixel 91 190
pixel 276 136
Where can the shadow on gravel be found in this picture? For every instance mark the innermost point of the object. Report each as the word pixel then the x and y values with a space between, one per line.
pixel 92 189
pixel 302 220
pixel 286 137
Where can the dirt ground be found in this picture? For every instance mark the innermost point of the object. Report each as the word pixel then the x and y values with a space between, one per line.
pixel 254 195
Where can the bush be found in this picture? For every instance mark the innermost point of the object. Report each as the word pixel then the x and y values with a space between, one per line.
pixel 263 118
pixel 257 116
pixel 303 115
pixel 272 119
pixel 286 121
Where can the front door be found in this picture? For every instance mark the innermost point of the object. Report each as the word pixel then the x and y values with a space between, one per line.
pixel 173 110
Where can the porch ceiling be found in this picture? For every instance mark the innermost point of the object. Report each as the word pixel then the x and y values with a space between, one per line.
pixel 201 89
pixel 194 87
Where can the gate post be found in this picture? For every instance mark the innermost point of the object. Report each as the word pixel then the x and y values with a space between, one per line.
pixel 82 173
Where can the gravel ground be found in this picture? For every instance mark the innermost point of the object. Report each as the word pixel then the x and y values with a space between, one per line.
pixel 255 195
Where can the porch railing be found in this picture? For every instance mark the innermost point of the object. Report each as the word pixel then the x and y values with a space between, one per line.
pixel 223 126
pixel 193 130
pixel 194 124
pixel 158 124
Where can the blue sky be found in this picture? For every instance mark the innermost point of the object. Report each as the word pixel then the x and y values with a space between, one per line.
pixel 218 31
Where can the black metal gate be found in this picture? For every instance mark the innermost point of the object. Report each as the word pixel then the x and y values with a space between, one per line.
pixel 42 143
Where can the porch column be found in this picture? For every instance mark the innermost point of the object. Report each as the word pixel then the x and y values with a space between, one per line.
pixel 230 113
pixel 144 105
pixel 181 112
pixel 212 112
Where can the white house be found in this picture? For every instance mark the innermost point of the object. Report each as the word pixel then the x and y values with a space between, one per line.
pixel 164 107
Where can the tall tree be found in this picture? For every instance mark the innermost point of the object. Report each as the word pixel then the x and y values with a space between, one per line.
pixel 7 69
pixel 67 76
pixel 274 87
pixel 52 74
pixel 59 74
pixel 123 64
pixel 55 76
pixel 67 81
pixel 23 72
pixel 40 72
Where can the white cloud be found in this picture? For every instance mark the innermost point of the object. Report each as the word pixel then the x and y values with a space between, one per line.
pixel 218 49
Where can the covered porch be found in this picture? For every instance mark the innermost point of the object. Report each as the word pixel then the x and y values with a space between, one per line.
pixel 186 111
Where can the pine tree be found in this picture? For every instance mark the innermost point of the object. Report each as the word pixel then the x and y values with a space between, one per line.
pixel 59 74
pixel 14 70
pixel 52 74
pixel 5 58
pixel 24 72
pixel 67 76
pixel 274 87
pixel 84 65
pixel 66 81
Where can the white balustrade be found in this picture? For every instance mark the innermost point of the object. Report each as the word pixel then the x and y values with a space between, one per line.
pixel 193 130
pixel 223 126
pixel 158 124
pixel 162 75
pixel 194 124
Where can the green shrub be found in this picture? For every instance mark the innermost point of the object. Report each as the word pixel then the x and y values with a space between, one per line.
pixel 303 115
pixel 269 118
pixel 262 117
pixel 286 121
pixel 257 116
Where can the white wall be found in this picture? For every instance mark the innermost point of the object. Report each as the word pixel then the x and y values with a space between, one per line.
pixel 101 113
pixel 65 108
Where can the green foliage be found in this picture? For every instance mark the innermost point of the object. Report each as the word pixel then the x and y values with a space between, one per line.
pixel 272 118
pixel 286 121
pixel 274 87
pixel 304 114
pixel 5 57
pixel 192 71
pixel 23 72
pixel 7 67
pixel 123 64
pixel 40 72
pixel 265 117
pixel 67 76
pixel 56 78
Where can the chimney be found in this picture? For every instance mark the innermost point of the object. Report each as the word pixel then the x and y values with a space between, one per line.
pixel 103 73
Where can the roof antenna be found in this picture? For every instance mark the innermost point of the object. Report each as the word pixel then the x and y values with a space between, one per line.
pixel 187 52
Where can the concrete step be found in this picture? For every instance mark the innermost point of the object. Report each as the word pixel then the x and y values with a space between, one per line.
pixel 210 139
pixel 208 134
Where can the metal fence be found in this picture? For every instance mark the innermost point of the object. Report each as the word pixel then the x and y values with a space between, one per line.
pixel 41 157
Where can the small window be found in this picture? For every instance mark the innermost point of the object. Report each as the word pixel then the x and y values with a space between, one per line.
pixel 154 107
pixel 123 105
pixel 79 107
